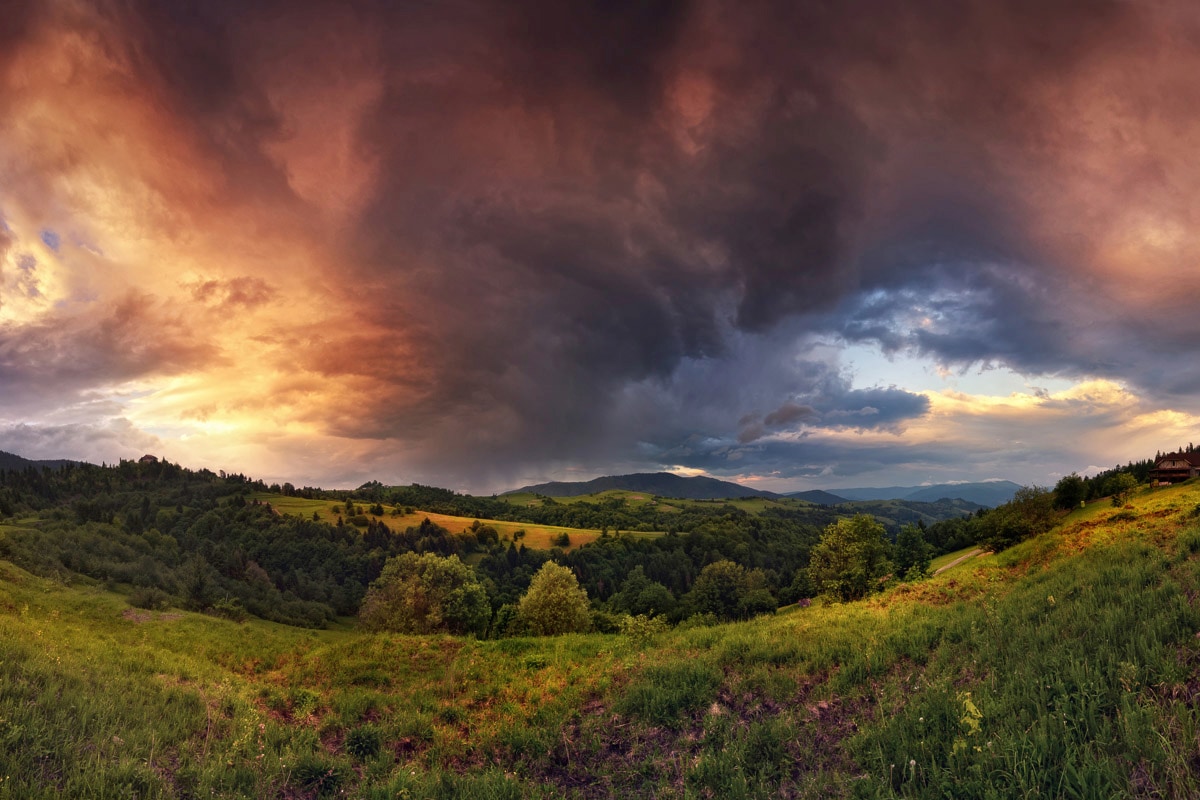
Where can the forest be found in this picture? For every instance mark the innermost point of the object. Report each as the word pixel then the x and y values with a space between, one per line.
pixel 168 535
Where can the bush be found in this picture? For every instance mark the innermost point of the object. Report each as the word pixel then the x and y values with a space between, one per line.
pixel 642 629
pixel 230 608
pixel 151 598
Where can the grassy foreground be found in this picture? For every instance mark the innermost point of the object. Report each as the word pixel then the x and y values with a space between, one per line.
pixel 1065 667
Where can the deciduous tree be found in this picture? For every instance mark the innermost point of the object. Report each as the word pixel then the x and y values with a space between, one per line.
pixel 425 594
pixel 555 603
pixel 851 558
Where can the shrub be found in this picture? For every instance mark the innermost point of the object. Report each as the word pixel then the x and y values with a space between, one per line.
pixel 641 629
pixel 151 598
pixel 230 608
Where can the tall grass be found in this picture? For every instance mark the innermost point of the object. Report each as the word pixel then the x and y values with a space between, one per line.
pixel 1066 667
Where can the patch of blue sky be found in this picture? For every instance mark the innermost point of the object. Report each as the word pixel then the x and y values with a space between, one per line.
pixel 871 367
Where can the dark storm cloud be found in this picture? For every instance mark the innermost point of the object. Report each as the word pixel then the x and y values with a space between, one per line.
pixel 804 458
pixel 573 205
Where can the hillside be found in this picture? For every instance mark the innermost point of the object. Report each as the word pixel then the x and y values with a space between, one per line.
pixel 1062 667
pixel 10 461
pixel 663 484
pixel 817 496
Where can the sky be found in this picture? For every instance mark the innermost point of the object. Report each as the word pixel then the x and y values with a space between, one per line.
pixel 480 245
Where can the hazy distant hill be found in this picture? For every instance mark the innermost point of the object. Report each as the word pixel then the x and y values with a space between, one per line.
pixel 11 461
pixel 818 496
pixel 663 484
pixel 987 493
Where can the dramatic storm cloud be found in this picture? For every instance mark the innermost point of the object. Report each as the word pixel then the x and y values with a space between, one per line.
pixel 478 244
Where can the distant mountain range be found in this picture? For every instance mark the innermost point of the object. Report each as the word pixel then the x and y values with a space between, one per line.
pixel 663 484
pixel 9 461
pixel 666 484
pixel 818 496
pixel 986 493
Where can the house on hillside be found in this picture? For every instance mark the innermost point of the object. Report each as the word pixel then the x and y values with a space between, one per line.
pixel 1175 468
pixel 148 459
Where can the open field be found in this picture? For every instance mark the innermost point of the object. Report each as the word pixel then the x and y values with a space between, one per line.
pixel 541 537
pixel 751 505
pixel 1063 667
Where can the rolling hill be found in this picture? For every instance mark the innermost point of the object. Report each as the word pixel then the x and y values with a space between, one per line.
pixel 1064 666
pixel 11 461
pixel 818 496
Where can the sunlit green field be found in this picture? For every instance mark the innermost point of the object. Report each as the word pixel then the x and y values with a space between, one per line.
pixel 1063 667
pixel 542 537
pixel 752 505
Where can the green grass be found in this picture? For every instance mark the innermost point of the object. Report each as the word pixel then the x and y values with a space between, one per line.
pixel 1064 667
pixel 538 537
pixel 950 558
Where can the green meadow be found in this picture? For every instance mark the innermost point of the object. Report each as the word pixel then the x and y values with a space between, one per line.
pixel 1066 666
pixel 540 537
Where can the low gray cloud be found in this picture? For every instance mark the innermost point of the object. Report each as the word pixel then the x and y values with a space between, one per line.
pixel 95 442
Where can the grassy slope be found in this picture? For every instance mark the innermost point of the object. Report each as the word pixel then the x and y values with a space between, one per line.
pixel 536 536
pixel 1065 667
pixel 753 505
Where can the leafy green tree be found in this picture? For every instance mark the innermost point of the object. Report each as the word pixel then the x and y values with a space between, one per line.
pixel 912 553
pixel 424 594
pixel 641 596
pixel 555 603
pixel 1069 492
pixel 851 558
pixel 718 590
pixel 1029 513
pixel 727 590
pixel 1120 486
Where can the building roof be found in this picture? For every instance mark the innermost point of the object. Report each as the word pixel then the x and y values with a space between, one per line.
pixel 1192 458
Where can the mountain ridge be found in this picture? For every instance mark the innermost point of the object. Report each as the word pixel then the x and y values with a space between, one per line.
pixel 985 493
pixel 12 461
pixel 663 484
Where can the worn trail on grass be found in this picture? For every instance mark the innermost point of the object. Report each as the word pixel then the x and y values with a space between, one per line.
pixel 958 561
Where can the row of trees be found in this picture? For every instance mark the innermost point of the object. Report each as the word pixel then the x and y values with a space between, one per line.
pixel 429 593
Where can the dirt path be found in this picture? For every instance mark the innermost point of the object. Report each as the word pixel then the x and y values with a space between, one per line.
pixel 957 561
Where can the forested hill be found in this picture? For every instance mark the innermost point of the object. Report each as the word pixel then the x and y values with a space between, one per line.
pixel 662 484
pixel 9 461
